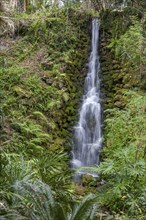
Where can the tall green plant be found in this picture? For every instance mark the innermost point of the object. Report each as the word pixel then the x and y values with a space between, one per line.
pixel 130 46
pixel 124 168
pixel 35 201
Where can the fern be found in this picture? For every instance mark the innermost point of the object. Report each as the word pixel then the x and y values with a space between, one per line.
pixel 16 168
pixel 36 202
pixel 85 210
pixel 41 116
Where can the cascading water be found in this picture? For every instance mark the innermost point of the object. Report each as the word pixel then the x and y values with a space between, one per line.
pixel 87 138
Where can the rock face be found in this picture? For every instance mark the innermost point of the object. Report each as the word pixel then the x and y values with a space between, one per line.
pixel 116 76
pixel 112 74
pixel 46 66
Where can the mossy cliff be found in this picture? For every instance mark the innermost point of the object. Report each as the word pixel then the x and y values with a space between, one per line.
pixel 123 80
pixel 43 66
pixel 117 76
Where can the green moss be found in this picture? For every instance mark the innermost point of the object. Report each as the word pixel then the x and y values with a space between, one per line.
pixel 43 80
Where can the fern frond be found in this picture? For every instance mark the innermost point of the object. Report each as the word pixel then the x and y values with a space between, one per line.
pixel 41 116
pixel 83 210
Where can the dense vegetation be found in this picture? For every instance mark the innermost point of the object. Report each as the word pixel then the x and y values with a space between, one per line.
pixel 44 50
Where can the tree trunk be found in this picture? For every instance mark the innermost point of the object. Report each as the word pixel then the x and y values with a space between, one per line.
pixel 26 3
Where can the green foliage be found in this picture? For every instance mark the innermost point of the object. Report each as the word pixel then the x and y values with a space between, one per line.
pixel 14 167
pixel 125 166
pixel 130 46
pixel 127 126
pixel 51 168
pixel 36 201
pixel 42 70
pixel 37 77
pixel 41 84
pixel 86 209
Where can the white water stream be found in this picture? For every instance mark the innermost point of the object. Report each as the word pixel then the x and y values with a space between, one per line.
pixel 88 137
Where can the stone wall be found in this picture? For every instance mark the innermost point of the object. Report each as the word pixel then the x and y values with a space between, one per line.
pixel 116 75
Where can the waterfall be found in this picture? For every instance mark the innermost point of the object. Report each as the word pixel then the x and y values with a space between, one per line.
pixel 87 137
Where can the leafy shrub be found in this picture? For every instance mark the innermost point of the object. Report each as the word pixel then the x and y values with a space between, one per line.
pixel 125 166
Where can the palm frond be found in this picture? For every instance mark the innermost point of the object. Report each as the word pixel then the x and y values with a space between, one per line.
pixel 14 167
pixel 39 201
pixel 85 210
